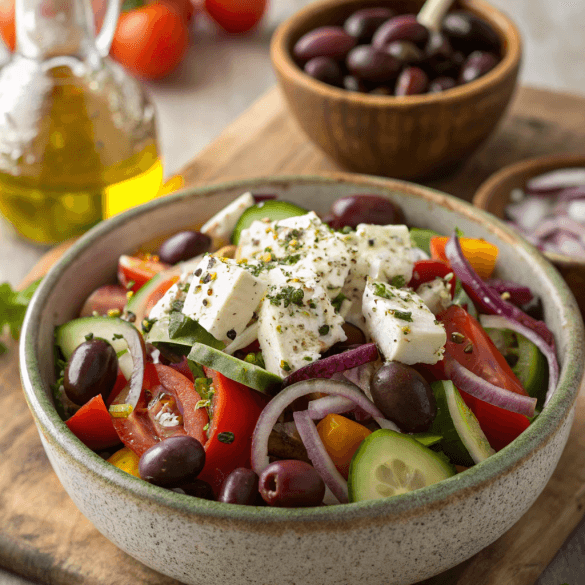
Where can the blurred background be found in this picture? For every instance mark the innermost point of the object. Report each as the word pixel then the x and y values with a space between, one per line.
pixel 222 74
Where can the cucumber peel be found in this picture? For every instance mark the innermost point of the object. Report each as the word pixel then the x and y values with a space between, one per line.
pixel 248 374
pixel 463 440
pixel 180 333
pixel 112 329
pixel 273 209
pixel 388 463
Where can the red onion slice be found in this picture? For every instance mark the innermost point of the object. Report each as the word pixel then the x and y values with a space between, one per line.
pixel 319 457
pixel 519 294
pixel 340 362
pixel 321 407
pixel 529 212
pixel 137 351
pixel 272 411
pixel 487 298
pixel 497 322
pixel 557 180
pixel 559 223
pixel 572 193
pixel 467 381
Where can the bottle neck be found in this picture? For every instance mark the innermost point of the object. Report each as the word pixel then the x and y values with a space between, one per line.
pixel 53 28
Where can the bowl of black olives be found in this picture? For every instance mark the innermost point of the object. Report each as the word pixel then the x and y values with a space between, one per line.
pixel 381 93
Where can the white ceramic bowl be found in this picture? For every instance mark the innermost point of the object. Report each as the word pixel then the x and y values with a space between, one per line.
pixel 399 540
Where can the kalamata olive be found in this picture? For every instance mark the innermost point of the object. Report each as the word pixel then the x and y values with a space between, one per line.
pixel 355 338
pixel 110 297
pixel 405 51
pixel 404 397
pixel 476 65
pixel 172 462
pixel 291 484
pixel 441 84
pixel 369 64
pixel 401 28
pixel 183 246
pixel 411 81
pixel 467 32
pixel 196 488
pixel 438 56
pixel 326 41
pixel 352 83
pixel 352 210
pixel 240 487
pixel 92 369
pixel 362 24
pixel 324 69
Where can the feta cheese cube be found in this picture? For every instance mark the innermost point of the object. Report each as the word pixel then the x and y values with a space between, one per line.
pixel 402 326
pixel 296 323
pixel 177 293
pixel 383 253
pixel 436 295
pixel 223 297
pixel 303 244
pixel 221 226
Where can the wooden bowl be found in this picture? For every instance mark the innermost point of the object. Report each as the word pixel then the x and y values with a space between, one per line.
pixel 494 194
pixel 402 137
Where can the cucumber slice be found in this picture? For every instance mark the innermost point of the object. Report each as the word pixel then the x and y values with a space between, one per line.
pixel 463 440
pixel 389 463
pixel 248 374
pixel 180 333
pixel 72 334
pixel 273 209
pixel 427 439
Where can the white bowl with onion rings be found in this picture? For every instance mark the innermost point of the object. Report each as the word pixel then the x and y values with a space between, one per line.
pixel 397 540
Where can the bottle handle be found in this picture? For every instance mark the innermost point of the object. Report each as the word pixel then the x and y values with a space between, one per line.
pixel 105 37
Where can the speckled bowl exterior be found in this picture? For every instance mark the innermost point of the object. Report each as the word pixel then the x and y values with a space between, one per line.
pixel 397 541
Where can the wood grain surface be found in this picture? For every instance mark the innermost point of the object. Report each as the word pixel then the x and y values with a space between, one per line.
pixel 42 534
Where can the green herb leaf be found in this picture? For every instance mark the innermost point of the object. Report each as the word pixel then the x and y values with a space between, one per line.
pixel 403 315
pixel 13 306
pixel 226 437
pixel 398 281
pixel 381 291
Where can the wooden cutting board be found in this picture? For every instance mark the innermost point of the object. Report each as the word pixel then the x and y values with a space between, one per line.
pixel 42 534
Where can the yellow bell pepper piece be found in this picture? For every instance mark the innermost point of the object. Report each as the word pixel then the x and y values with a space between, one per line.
pixel 126 460
pixel 481 254
pixel 341 438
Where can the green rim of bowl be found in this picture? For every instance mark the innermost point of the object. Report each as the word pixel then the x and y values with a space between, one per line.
pixel 435 496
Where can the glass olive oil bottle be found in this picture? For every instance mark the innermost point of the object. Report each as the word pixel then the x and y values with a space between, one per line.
pixel 77 134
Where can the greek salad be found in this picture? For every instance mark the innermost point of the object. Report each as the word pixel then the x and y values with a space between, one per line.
pixel 276 357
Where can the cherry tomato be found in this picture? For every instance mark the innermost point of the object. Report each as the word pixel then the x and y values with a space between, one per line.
pixel 150 41
pixel 138 271
pixel 428 270
pixel 168 392
pixel 236 409
pixel 92 425
pixel 471 346
pixel 236 16
pixel 7 27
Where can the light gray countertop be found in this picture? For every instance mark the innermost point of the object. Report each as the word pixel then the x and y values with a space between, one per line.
pixel 223 75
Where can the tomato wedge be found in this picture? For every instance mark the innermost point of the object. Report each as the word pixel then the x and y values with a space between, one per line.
pixel 236 409
pixel 135 272
pixel 427 270
pixel 471 346
pixel 92 425
pixel 167 407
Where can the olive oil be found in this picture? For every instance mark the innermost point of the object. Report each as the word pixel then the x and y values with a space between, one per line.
pixel 89 157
